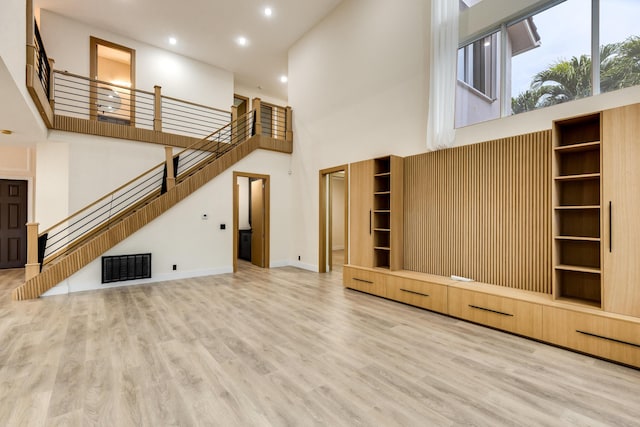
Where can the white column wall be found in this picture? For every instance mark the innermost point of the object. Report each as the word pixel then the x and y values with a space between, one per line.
pixel 358 88
pixel 13 39
pixel 52 183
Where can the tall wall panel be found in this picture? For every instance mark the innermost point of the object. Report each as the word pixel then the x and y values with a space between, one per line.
pixel 482 211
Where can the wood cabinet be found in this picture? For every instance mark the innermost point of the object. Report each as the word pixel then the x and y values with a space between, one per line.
pixel 621 195
pixel 577 210
pixel 596 204
pixel 418 293
pixel 499 312
pixel 601 336
pixel 595 244
pixel 376 213
pixel 364 280
pixel 361 213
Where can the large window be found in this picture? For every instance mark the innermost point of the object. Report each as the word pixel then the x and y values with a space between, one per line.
pixel 548 59
pixel 478 85
pixel 619 44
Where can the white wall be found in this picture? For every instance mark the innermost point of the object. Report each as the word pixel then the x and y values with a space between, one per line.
pixel 52 183
pixel 358 88
pixel 67 41
pixel 243 203
pixel 198 247
pixel 97 165
pixel 257 93
pixel 13 38
pixel 74 170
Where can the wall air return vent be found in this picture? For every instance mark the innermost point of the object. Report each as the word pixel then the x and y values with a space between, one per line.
pixel 126 267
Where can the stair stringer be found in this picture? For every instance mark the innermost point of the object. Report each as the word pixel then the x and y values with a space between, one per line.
pixel 116 233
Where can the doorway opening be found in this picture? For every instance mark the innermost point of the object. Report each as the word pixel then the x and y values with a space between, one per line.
pixel 251 219
pixel 112 98
pixel 242 105
pixel 334 213
pixel 13 223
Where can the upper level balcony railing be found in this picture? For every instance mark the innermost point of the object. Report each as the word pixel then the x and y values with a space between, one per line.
pixel 90 99
pixel 75 103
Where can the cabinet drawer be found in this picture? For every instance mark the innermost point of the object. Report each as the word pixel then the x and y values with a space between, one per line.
pixel 511 315
pixel 612 339
pixel 421 294
pixel 364 280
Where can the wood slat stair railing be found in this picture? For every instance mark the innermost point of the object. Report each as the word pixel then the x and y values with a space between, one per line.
pixel 93 248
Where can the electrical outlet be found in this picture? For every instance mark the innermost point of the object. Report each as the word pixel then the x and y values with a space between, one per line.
pixel 175 267
pixel 298 257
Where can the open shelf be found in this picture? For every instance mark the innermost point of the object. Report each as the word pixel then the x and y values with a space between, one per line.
pixel 579 177
pixel 383 212
pixel 579 130
pixel 578 238
pixel 577 212
pixel 578 269
pixel 585 146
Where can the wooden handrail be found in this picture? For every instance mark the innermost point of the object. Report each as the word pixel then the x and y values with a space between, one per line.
pixel 106 196
pixel 191 147
pixel 77 76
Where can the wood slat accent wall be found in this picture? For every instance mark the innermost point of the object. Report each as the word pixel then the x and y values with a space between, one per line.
pixel 91 250
pixel 482 211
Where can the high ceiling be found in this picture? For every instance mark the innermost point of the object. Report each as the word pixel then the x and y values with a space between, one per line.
pixel 207 30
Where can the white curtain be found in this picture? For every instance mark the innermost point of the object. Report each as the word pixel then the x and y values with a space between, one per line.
pixel 442 63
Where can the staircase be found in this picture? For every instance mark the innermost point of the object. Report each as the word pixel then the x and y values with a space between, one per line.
pixel 92 231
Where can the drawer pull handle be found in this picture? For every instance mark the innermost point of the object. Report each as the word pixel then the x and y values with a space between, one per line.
pixel 414 292
pixel 363 281
pixel 490 311
pixel 607 338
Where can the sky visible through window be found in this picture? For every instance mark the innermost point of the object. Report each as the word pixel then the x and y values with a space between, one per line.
pixel 565 31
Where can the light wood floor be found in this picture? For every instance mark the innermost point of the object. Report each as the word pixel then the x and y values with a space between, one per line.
pixel 284 347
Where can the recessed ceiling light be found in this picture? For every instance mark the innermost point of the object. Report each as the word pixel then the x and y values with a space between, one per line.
pixel 284 79
pixel 242 41
pixel 268 11
pixel 172 40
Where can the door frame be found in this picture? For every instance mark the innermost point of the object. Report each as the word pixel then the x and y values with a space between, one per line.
pixel 93 69
pixel 29 184
pixel 323 220
pixel 267 215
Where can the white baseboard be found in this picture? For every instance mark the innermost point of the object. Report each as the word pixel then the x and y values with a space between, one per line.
pixel 305 266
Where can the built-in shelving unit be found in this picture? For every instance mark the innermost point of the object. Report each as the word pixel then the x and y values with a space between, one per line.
pixel 577 210
pixel 382 212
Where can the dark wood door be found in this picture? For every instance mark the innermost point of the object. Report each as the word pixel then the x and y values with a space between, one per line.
pixel 13 220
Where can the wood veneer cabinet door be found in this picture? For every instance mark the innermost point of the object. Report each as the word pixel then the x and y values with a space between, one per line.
pixel 361 213
pixel 520 317
pixel 397 213
pixel 365 281
pixel 621 194
pixel 612 339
